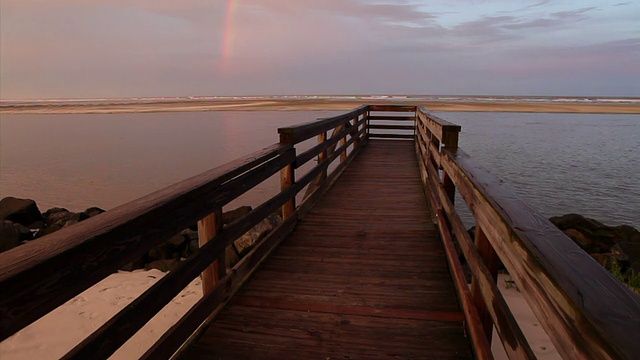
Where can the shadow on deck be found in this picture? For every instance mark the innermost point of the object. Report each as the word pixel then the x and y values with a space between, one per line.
pixel 363 275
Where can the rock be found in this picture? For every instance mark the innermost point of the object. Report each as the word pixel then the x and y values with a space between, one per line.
pixel 21 211
pixel 162 265
pixel 93 211
pixel 233 215
pixel 134 265
pixel 9 236
pixel 631 252
pixel 171 249
pixel 231 257
pixel 594 236
pixel 55 215
pixel 247 241
pixel 25 233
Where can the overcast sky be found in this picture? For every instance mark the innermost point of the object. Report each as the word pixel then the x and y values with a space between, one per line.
pixel 125 48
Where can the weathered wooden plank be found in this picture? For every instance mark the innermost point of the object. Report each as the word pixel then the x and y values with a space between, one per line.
pixel 391 136
pixel 557 278
pixel 334 275
pixel 117 330
pixel 176 336
pixel 39 276
pixel 392 127
pixel 436 125
pixel 299 133
pixel 208 227
pixel 392 108
pixel 479 339
pixel 513 340
pixel 313 173
pixel 411 117
pixel 326 145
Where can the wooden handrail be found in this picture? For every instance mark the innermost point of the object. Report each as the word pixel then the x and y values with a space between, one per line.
pixel 39 276
pixel 586 312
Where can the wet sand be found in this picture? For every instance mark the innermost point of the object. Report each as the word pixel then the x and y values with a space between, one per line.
pixel 318 104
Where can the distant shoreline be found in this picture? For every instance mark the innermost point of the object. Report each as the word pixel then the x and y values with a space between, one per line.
pixel 319 104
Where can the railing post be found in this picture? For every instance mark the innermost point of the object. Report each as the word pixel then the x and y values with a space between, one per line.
pixel 343 154
pixel 322 137
pixel 208 227
pixel 354 133
pixel 287 179
pixel 450 141
pixel 492 262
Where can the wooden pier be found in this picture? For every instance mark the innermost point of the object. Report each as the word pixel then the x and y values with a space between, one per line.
pixel 367 265
pixel 363 275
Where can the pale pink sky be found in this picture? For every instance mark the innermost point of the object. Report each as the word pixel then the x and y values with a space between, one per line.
pixel 118 48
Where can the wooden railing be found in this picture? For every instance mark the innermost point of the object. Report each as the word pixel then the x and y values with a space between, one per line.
pixel 41 275
pixel 586 312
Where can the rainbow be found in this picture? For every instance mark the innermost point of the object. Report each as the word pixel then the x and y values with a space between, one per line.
pixel 227 36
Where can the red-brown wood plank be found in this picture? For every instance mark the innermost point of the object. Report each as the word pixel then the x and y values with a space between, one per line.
pixel 363 275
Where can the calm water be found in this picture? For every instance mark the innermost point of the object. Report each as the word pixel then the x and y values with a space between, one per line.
pixel 560 163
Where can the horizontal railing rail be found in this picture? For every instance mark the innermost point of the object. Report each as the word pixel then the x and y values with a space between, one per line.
pixel 586 312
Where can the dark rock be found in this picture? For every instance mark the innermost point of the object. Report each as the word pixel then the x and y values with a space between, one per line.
pixel 594 236
pixel 55 215
pixel 93 211
pixel 9 236
pixel 630 251
pixel 247 241
pixel 233 215
pixel 231 257
pixel 76 218
pixel 25 233
pixel 49 230
pixel 171 249
pixel 134 265
pixel 21 211
pixel 162 265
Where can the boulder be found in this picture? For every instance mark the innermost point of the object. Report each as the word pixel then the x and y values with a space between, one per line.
pixel 629 251
pixel 594 236
pixel 93 211
pixel 9 236
pixel 25 233
pixel 247 241
pixel 162 265
pixel 55 215
pixel 21 211
pixel 233 215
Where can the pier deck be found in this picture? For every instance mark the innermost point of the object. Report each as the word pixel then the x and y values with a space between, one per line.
pixel 363 275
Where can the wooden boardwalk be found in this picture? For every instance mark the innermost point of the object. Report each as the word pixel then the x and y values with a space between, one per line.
pixel 363 275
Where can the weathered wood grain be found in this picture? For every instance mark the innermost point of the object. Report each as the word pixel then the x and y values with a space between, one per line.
pixel 511 336
pixel 117 330
pixel 299 133
pixel 39 276
pixel 587 313
pixel 362 275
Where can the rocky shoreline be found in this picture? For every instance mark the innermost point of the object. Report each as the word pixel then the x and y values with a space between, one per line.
pixel 21 221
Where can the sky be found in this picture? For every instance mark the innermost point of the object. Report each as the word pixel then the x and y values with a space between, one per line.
pixel 149 48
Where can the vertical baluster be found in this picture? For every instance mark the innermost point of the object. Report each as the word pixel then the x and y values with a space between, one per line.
pixel 492 262
pixel 208 227
pixel 322 137
pixel 287 179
